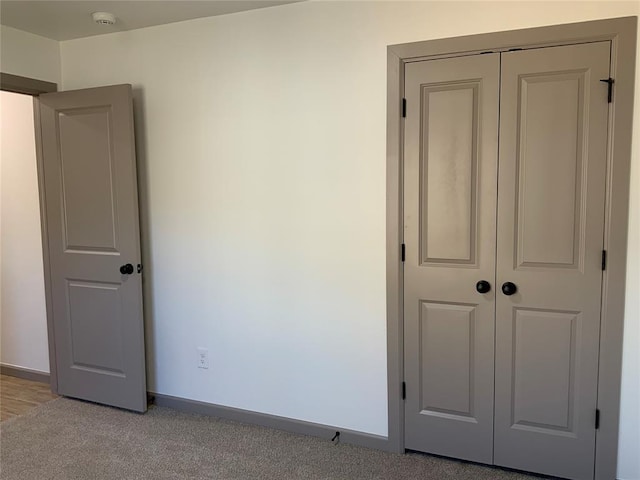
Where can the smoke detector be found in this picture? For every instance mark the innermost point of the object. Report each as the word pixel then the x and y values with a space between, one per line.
pixel 104 18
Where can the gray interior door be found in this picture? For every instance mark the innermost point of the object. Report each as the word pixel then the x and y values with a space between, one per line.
pixel 450 170
pixel 551 190
pixel 94 245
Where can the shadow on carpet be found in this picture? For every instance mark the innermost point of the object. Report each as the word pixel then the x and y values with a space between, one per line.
pixel 69 439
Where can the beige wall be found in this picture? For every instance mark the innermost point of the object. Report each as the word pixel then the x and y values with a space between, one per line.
pixel 23 319
pixel 29 55
pixel 261 140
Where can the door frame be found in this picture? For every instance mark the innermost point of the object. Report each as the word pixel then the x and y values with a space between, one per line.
pixel 622 34
pixel 34 87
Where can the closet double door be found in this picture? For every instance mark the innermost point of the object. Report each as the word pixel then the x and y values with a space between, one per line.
pixel 504 194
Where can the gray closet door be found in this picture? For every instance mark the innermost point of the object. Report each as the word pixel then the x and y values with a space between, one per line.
pixel 92 218
pixel 551 190
pixel 449 231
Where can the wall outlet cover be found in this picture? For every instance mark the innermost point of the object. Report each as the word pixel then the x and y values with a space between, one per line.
pixel 203 358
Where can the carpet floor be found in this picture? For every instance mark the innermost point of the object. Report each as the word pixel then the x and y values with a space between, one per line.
pixel 68 439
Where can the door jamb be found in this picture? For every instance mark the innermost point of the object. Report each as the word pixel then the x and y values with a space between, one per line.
pixel 34 87
pixel 622 34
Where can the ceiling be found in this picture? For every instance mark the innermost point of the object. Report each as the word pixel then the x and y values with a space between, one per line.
pixel 65 20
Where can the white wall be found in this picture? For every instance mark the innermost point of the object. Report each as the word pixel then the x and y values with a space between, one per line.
pixel 628 455
pixel 29 55
pixel 262 149
pixel 23 320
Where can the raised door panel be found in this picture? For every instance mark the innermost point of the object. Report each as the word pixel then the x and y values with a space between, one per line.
pixel 447 360
pixel 449 174
pixel 449 231
pixel 553 149
pixel 87 170
pixel 544 385
pixel 550 163
pixel 97 334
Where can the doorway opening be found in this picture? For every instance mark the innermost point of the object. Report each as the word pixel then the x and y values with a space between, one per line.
pixel 86 184
pixel 23 317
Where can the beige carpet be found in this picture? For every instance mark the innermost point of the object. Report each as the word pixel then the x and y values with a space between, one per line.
pixel 68 439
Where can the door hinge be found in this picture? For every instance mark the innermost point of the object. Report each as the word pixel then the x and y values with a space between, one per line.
pixel 403 252
pixel 404 390
pixel 597 418
pixel 404 108
pixel 604 260
pixel 609 81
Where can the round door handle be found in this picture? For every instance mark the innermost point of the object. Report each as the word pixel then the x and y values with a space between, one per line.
pixel 126 269
pixel 483 286
pixel 509 288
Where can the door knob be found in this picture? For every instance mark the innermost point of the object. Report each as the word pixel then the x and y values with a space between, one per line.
pixel 509 288
pixel 126 269
pixel 483 286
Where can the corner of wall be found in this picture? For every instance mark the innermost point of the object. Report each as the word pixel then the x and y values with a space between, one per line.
pixel 29 55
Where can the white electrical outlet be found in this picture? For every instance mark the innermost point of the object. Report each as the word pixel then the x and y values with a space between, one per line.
pixel 203 358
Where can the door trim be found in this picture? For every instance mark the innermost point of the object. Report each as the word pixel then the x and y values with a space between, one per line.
pixel 25 85
pixel 34 87
pixel 622 34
